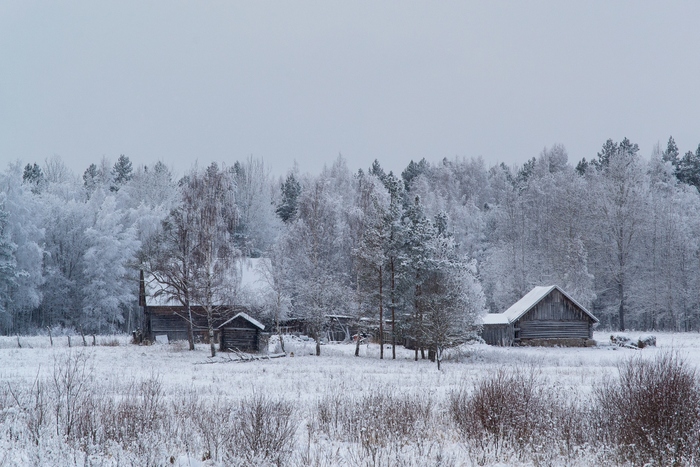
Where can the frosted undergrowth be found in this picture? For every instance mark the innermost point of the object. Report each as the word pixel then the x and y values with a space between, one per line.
pixel 163 405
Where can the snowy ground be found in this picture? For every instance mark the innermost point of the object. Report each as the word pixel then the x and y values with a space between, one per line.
pixel 306 376
pixel 304 379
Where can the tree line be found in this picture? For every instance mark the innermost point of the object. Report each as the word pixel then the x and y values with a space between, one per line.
pixel 426 251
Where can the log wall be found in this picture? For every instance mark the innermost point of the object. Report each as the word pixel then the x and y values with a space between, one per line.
pixel 498 334
pixel 240 334
pixel 554 317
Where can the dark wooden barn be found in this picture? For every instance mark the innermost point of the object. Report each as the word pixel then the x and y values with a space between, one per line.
pixel 544 316
pixel 242 333
pixel 163 316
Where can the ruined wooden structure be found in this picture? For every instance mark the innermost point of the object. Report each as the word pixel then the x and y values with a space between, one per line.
pixel 544 316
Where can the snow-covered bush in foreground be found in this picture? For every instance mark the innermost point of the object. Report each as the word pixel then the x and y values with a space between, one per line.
pixel 652 412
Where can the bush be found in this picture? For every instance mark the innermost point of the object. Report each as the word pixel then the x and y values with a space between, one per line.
pixel 378 422
pixel 513 412
pixel 506 408
pixel 265 429
pixel 377 417
pixel 651 413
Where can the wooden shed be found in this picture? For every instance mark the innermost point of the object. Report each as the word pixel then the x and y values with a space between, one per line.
pixel 544 316
pixel 242 333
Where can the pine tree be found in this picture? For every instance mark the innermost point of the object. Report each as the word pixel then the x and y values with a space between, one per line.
pixel 377 171
pixel 582 166
pixel 91 179
pixel 395 242
pixel 34 176
pixel 412 171
pixel 416 258
pixel 688 169
pixel 122 172
pixel 609 150
pixel 671 153
pixel 371 252
pixel 287 209
pixel 524 174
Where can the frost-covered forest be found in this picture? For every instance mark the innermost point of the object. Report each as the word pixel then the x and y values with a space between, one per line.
pixel 438 244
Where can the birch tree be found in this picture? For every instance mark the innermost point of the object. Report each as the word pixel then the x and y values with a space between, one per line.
pixel 211 194
pixel 194 254
pixel 620 200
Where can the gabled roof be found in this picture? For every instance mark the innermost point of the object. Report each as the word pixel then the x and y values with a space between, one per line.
pixel 525 304
pixel 246 317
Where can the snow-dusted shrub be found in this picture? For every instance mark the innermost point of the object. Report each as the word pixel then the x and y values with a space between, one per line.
pixel 216 425
pixel 265 430
pixel 110 342
pixel 70 386
pixel 510 409
pixel 652 411
pixel 141 409
pixel 378 417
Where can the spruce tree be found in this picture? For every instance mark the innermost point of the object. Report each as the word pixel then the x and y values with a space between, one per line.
pixel 91 178
pixel 688 168
pixel 412 171
pixel 671 153
pixel 34 176
pixel 377 171
pixel 582 166
pixel 287 209
pixel 122 172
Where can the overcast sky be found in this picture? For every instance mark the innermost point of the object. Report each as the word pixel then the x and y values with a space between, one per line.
pixel 304 81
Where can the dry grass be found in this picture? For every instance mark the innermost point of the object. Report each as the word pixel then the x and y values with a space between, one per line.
pixel 341 410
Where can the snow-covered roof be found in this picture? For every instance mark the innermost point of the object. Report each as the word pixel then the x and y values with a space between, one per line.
pixel 494 318
pixel 247 279
pixel 522 306
pixel 246 317
pixel 251 275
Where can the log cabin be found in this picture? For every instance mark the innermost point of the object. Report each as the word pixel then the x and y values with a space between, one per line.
pixel 544 316
pixel 242 333
pixel 163 315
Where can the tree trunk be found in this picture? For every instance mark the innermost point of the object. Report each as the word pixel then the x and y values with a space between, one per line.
pixel 381 317
pixel 318 344
pixel 210 324
pixel 277 325
pixel 190 331
pixel 621 311
pixel 416 330
pixel 393 314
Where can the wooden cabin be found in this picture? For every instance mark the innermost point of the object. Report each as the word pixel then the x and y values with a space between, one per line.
pixel 544 316
pixel 242 333
pixel 163 315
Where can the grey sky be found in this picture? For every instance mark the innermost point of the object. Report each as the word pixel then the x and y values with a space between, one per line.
pixel 181 81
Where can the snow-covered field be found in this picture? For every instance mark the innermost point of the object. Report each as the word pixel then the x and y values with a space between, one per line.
pixel 36 396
